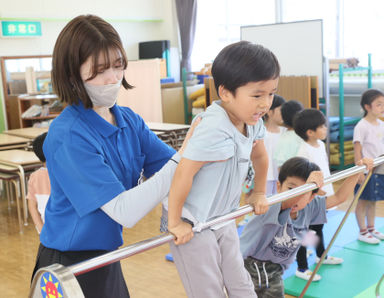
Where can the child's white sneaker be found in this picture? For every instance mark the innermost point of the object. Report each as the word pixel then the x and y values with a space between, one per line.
pixel 307 275
pixel 377 234
pixel 330 260
pixel 368 238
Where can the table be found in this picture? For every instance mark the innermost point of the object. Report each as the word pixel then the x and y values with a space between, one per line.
pixel 166 127
pixel 12 142
pixel 170 133
pixel 17 161
pixel 29 132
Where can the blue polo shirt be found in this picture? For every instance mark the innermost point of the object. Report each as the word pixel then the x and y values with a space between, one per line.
pixel 90 162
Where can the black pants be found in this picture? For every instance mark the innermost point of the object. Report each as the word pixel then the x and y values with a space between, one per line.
pixel 273 273
pixel 301 257
pixel 105 282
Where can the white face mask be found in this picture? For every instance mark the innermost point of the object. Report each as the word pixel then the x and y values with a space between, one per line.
pixel 103 95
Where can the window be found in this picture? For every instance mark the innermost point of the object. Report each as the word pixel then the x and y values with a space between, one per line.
pixel 362 24
pixel 298 10
pixel 350 29
pixel 20 64
pixel 218 24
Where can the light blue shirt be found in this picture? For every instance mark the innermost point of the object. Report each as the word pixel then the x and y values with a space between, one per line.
pixel 287 147
pixel 216 188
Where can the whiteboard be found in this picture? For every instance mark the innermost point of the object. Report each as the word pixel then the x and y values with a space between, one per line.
pixel 298 46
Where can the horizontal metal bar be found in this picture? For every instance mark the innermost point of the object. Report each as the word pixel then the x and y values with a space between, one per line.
pixel 142 246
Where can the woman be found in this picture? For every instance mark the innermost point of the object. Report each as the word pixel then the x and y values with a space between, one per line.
pixel 95 152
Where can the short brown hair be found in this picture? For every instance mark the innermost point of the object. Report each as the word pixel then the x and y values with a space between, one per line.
pixel 83 37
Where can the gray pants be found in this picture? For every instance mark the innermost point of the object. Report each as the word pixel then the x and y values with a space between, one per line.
pixel 267 278
pixel 212 261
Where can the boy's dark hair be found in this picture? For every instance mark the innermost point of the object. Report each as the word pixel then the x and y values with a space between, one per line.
pixel 289 110
pixel 307 119
pixel 83 37
pixel 297 167
pixel 277 102
pixel 37 146
pixel 368 97
pixel 242 62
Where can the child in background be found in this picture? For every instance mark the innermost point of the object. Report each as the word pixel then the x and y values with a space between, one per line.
pixel 39 187
pixel 289 142
pixel 269 242
pixel 207 182
pixel 368 141
pixel 309 124
pixel 273 123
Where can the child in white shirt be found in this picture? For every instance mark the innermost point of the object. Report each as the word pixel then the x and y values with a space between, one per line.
pixel 273 123
pixel 289 142
pixel 309 124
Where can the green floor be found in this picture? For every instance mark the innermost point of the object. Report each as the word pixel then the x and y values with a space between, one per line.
pixel 370 292
pixel 362 268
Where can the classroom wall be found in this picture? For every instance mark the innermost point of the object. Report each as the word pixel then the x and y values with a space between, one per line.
pixel 135 21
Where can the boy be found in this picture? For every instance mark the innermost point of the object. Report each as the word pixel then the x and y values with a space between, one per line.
pixel 309 124
pixel 39 187
pixel 208 178
pixel 289 142
pixel 269 242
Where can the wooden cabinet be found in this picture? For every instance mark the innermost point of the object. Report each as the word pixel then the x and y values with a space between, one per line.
pixel 25 102
pixel 301 88
pixel 21 75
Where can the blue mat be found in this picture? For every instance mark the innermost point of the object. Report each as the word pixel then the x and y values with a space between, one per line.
pixel 358 272
pixel 334 122
pixel 346 237
pixel 377 249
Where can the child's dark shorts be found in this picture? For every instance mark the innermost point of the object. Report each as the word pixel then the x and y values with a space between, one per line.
pixel 267 278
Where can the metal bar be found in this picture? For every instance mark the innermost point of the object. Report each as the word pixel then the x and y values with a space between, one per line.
pixel 142 246
pixel 341 116
pixel 325 253
pixel 21 175
pixel 369 71
pixel 326 107
pixel 17 205
pixel 185 95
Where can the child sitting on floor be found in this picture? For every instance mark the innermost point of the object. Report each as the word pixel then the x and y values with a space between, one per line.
pixel 39 187
pixel 269 242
